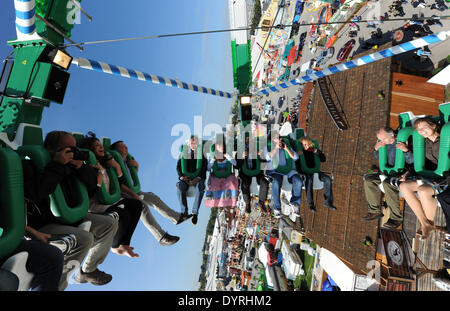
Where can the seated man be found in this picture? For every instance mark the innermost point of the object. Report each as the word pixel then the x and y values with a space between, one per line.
pixel 38 186
pixel 186 181
pixel 309 151
pixel 386 137
pixel 278 154
pixel 245 181
pixel 150 199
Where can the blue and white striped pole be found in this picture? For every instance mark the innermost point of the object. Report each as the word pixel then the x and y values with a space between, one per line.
pixel 135 74
pixel 398 49
pixel 25 20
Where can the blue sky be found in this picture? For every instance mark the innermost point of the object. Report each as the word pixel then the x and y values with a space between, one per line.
pixel 143 114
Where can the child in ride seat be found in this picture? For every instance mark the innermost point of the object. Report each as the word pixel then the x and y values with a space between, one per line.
pixel 309 151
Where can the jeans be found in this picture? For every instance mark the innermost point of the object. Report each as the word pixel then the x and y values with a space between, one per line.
pixel 45 262
pixel 277 182
pixel 327 190
pixel 182 188
pixel 147 218
pixel 246 181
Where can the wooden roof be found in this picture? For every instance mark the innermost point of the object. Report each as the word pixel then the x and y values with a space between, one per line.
pixel 413 93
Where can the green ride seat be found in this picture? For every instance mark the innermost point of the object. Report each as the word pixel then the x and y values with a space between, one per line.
pixel 12 203
pixel 132 181
pixel 289 165
pixel 419 154
pixel 399 165
pixel 245 169
pixel 444 112
pixel 215 168
pixel 59 207
pixel 114 193
pixel 78 137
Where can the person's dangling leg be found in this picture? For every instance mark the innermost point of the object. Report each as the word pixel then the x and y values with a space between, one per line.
pixel 182 188
pixel 156 203
pixel 245 182
pixel 327 190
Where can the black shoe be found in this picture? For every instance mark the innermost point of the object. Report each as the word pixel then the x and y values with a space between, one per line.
pixel 96 277
pixel 183 217
pixel 392 224
pixel 372 216
pixel 168 239
pixel 312 208
pixel 194 219
pixel 331 207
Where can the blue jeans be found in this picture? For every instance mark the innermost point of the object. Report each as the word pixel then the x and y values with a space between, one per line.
pixel 277 182
pixel 327 190
pixel 182 188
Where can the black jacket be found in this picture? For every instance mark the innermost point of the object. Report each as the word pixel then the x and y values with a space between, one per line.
pixel 192 166
pixel 38 187
pixel 309 159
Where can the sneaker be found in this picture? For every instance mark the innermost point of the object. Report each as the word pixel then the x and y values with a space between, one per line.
pixel 96 277
pixel 312 208
pixel 372 216
pixel 277 213
pixel 194 219
pixel 392 224
pixel 168 239
pixel 183 217
pixel 295 210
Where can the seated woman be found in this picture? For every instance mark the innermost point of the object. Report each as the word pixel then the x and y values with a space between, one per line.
pixel 222 192
pixel 245 181
pixel 425 206
pixel 128 215
pixel 309 150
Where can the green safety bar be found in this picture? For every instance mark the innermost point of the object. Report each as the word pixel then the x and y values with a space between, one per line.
pixel 399 165
pixel 12 203
pixel 198 168
pixel 104 196
pixel 215 169
pixel 305 168
pixel 252 172
pixel 132 181
pixel 419 154
pixel 299 133
pixel 58 205
pixel 255 171
pixel 288 166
